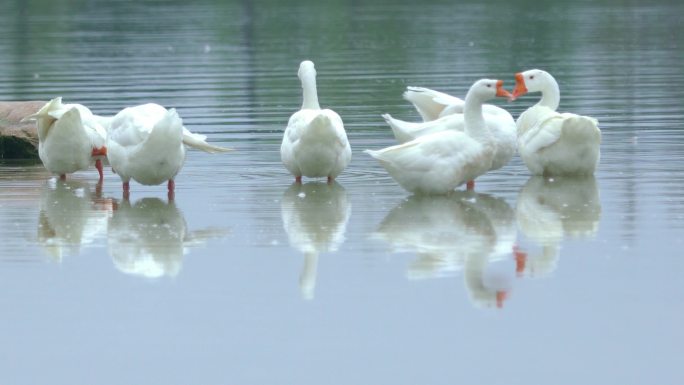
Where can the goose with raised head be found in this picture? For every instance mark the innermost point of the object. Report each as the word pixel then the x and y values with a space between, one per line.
pixel 498 120
pixel 439 162
pixel 146 143
pixel 552 143
pixel 70 138
pixel 315 143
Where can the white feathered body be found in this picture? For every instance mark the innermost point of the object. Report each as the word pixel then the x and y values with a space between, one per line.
pixel 67 135
pixel 436 163
pixel 145 144
pixel 553 143
pixel 315 144
pixel 501 125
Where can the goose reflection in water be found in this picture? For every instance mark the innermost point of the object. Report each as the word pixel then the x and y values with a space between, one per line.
pixel 465 231
pixel 552 209
pixel 150 237
pixel 315 219
pixel 73 214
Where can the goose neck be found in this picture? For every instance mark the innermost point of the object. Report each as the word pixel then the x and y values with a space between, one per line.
pixel 475 125
pixel 550 94
pixel 309 91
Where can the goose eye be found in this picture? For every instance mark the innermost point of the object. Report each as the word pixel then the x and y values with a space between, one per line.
pixel 489 86
pixel 531 77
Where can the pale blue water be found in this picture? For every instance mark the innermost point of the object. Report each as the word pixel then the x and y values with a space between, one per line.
pixel 246 279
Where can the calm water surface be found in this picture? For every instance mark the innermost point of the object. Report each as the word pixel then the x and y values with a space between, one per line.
pixel 248 279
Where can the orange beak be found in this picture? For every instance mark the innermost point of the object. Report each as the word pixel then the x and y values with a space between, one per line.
pixel 520 88
pixel 500 90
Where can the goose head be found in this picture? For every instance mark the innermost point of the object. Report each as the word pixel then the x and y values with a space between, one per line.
pixel 531 81
pixel 307 75
pixel 306 69
pixel 485 89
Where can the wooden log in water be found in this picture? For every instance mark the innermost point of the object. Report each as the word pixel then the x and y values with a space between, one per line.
pixel 18 140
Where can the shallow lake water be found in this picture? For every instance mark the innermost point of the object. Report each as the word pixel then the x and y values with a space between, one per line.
pixel 247 278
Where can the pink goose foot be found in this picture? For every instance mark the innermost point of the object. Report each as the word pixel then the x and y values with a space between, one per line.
pixel 126 190
pixel 520 260
pixel 98 166
pixel 172 190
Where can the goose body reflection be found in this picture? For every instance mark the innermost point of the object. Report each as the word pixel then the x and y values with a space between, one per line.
pixel 72 215
pixel 315 219
pixel 551 209
pixel 464 231
pixel 150 237
pixel 442 230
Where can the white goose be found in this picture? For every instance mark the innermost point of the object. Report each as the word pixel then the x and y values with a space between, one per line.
pixel 146 143
pixel 498 120
pixel 551 143
pixel 70 138
pixel 314 144
pixel 437 163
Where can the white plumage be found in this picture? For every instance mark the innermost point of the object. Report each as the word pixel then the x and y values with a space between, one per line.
pixel 146 143
pixel 432 105
pixel 70 137
pixel 551 143
pixel 315 143
pixel 437 163
pixel 441 111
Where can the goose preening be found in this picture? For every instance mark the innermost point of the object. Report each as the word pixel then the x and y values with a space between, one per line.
pixel 70 138
pixel 552 143
pixel 439 162
pixel 315 143
pixel 146 143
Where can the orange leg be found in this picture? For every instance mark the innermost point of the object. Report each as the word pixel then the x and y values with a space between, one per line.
pixel 98 166
pixel 298 179
pixel 520 260
pixel 126 190
pixel 470 185
pixel 330 179
pixel 62 177
pixel 500 298
pixel 172 189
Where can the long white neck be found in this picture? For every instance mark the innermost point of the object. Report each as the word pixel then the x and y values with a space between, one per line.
pixel 550 93
pixel 309 90
pixel 475 125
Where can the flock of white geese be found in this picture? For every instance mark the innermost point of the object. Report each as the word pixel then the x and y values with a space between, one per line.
pixel 458 140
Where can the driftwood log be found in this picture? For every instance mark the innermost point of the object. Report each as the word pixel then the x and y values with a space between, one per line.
pixel 18 140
